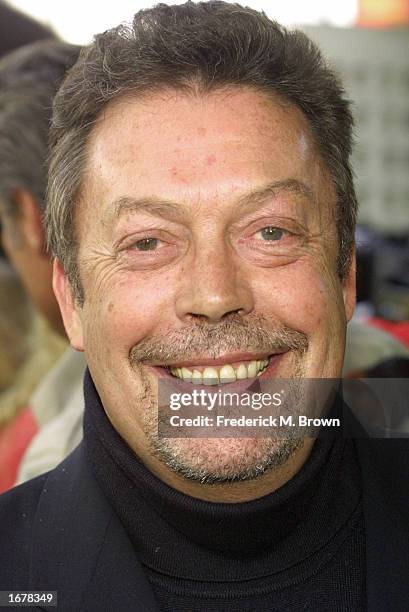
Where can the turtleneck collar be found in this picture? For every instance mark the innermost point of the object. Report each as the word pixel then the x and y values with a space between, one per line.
pixel 168 527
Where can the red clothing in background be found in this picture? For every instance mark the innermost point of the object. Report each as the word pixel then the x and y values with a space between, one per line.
pixel 399 330
pixel 14 439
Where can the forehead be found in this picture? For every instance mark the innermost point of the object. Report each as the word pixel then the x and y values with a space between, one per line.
pixel 179 146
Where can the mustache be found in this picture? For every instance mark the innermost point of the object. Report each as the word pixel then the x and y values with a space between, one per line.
pixel 211 340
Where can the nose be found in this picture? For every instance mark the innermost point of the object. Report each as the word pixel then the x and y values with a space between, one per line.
pixel 214 287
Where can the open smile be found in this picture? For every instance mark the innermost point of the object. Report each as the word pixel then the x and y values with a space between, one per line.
pixel 217 372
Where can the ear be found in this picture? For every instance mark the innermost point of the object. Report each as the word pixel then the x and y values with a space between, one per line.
pixel 70 311
pixel 29 220
pixel 349 288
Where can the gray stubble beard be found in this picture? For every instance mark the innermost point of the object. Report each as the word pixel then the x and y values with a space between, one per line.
pixel 187 456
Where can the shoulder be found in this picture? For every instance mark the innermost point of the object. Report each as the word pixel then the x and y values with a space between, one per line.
pixel 18 509
pixel 18 504
pixel 38 517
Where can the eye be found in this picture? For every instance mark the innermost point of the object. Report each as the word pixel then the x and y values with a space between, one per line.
pixel 271 233
pixel 150 248
pixel 146 244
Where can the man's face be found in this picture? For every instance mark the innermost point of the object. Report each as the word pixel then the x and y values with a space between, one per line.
pixel 206 239
pixel 22 237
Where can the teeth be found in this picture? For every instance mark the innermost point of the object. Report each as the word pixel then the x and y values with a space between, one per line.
pixel 186 374
pixel 210 376
pixel 196 377
pixel 252 369
pixel 241 372
pixel 225 374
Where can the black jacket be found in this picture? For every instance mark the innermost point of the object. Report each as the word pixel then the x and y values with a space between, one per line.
pixel 58 533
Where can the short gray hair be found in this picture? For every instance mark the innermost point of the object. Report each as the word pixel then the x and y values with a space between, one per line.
pixel 29 78
pixel 201 47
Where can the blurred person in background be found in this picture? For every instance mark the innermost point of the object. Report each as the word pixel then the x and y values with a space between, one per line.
pixel 15 323
pixel 28 349
pixel 18 29
pixel 29 78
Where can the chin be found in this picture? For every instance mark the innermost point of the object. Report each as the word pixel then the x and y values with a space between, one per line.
pixel 217 460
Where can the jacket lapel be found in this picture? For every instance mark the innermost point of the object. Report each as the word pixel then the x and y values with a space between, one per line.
pixel 80 549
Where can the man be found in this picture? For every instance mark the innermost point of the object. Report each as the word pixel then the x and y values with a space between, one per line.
pixel 29 78
pixel 201 212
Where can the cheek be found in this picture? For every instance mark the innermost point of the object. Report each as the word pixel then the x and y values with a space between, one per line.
pixel 301 297
pixel 126 312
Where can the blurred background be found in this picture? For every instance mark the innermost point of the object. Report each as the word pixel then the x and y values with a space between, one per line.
pixel 367 42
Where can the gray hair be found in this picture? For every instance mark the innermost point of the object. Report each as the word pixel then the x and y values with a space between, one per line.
pixel 195 47
pixel 29 78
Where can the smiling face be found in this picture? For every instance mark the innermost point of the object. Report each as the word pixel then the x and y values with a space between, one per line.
pixel 207 239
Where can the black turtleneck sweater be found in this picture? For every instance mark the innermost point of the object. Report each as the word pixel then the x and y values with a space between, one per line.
pixel 300 548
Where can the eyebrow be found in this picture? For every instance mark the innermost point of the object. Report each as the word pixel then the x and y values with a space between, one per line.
pixel 169 209
pixel 155 206
pixel 292 186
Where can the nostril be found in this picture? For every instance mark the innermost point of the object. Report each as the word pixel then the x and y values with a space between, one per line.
pixel 216 317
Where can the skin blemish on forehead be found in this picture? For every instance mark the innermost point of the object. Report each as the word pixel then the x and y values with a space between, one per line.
pixel 176 174
pixel 211 160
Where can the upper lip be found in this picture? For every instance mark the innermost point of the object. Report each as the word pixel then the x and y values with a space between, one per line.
pixel 219 361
